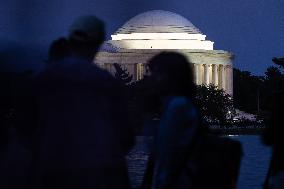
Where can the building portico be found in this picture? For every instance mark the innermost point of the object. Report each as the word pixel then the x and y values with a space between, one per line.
pixel 150 33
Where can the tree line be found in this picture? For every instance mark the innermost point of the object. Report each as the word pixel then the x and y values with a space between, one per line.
pixel 251 93
pixel 254 94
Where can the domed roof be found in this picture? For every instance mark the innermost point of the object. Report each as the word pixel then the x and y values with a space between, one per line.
pixel 158 21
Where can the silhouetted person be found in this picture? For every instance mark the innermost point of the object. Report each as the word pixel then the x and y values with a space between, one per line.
pixel 273 136
pixel 184 156
pixel 5 107
pixel 172 78
pixel 58 50
pixel 16 124
pixel 84 134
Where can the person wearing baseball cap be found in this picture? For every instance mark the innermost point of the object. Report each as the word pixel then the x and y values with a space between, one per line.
pixel 86 34
pixel 83 133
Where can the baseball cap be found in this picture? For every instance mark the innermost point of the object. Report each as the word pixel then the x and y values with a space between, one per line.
pixel 87 29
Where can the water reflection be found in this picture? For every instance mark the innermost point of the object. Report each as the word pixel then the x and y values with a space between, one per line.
pixel 254 164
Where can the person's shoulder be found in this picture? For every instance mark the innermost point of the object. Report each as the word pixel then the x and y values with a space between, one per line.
pixel 182 106
pixel 180 102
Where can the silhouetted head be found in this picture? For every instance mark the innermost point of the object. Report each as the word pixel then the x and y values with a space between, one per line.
pixel 171 74
pixel 58 50
pixel 86 34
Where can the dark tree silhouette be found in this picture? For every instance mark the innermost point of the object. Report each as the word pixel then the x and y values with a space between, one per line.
pixel 215 105
pixel 278 61
pixel 254 94
pixel 273 83
pixel 247 90
pixel 251 94
pixel 122 74
pixel 272 72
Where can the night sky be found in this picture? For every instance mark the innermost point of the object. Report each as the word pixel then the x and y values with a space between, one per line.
pixel 252 29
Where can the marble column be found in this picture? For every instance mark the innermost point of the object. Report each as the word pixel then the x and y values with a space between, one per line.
pixel 206 74
pixel 210 71
pixel 220 76
pixel 229 83
pixel 223 77
pixel 139 71
pixel 201 74
pixel 215 74
pixel 196 73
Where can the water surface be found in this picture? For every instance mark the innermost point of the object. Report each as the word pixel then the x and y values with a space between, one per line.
pixel 254 164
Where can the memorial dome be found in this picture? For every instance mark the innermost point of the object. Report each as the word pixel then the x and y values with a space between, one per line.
pixel 152 32
pixel 158 21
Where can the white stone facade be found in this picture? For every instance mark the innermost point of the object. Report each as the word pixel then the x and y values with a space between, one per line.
pixel 150 33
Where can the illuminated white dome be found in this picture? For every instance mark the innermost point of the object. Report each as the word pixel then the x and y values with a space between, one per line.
pixel 158 21
pixel 159 29
pixel 152 32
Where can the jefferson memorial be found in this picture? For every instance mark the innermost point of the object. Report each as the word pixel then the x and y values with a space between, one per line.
pixel 149 33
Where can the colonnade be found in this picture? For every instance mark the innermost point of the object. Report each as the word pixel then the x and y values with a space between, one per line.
pixel 205 74
pixel 216 74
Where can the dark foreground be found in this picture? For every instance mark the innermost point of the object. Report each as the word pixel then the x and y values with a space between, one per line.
pixel 253 167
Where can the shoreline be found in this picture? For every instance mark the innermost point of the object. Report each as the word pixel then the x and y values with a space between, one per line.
pixel 238 130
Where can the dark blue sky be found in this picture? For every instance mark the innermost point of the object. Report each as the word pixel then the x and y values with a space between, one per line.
pixel 252 29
